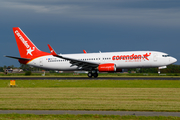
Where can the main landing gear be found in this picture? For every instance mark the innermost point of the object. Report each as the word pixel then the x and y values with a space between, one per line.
pixel 92 73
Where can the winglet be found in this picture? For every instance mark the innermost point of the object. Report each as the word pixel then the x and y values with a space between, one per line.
pixel 84 51
pixel 52 51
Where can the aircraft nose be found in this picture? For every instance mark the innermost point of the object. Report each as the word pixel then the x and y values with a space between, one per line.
pixel 173 60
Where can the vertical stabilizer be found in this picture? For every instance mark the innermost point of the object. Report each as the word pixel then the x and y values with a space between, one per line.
pixel 26 47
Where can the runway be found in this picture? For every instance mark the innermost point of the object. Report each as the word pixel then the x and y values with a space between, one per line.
pixel 86 78
pixel 122 113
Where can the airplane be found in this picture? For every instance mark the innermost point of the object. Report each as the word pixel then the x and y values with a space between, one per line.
pixel 92 62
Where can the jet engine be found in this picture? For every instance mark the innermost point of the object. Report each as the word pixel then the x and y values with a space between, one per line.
pixel 108 67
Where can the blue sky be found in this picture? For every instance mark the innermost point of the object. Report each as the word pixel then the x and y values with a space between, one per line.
pixel 70 26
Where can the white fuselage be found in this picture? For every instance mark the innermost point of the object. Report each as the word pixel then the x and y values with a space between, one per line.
pixel 132 59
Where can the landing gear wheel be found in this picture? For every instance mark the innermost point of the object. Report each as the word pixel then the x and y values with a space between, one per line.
pixel 90 74
pixel 95 75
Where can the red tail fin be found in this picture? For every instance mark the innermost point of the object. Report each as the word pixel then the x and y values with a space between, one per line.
pixel 26 48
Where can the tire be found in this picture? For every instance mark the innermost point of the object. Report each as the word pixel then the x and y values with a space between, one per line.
pixel 95 75
pixel 90 75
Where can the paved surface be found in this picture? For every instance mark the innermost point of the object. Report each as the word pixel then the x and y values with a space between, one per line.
pixel 137 113
pixel 86 78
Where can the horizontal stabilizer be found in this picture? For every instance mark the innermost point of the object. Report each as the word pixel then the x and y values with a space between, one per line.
pixel 19 58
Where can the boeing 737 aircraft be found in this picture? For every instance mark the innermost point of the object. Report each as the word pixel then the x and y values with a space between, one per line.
pixel 92 62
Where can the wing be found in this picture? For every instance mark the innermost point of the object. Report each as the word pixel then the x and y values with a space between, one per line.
pixel 82 65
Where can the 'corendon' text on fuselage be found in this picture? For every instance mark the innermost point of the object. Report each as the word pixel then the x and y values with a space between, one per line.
pixel 131 57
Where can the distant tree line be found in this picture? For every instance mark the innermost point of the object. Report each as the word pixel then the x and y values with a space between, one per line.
pixel 169 69
pixel 6 67
pixel 22 66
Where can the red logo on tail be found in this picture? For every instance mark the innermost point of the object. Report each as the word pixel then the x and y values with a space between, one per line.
pixel 29 51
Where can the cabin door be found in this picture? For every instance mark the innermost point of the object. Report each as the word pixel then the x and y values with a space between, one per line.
pixel 155 57
pixel 41 62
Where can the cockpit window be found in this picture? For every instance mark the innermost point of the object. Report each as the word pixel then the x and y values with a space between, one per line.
pixel 165 55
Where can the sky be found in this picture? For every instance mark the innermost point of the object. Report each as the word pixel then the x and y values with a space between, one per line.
pixel 70 26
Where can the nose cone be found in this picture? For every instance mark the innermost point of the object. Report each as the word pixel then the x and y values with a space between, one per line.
pixel 173 60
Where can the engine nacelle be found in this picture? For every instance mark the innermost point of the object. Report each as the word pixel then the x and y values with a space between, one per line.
pixel 109 67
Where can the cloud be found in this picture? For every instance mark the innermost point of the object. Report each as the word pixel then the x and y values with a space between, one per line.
pixel 35 7
pixel 118 12
pixel 150 13
pixel 90 23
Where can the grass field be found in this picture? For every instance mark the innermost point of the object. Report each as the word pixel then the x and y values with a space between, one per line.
pixel 81 117
pixel 93 83
pixel 136 99
pixel 132 95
